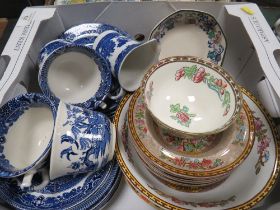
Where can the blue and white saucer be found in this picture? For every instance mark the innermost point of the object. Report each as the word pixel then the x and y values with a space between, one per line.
pixel 83 191
pixel 85 34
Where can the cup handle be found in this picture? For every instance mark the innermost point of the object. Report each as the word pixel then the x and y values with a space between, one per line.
pixel 103 105
pixel 45 178
pixel 118 96
pixel 27 180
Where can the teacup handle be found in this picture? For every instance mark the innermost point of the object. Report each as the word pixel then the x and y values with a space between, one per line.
pixel 118 96
pixel 27 180
pixel 102 105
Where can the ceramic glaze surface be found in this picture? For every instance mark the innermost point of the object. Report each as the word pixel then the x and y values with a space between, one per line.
pixel 198 99
pixel 188 32
pixel 83 141
pixel 29 136
pixel 229 195
pixel 23 121
pixel 232 145
pixel 88 30
pixel 77 75
pixel 49 48
pixel 81 192
pixel 128 59
pixel 73 77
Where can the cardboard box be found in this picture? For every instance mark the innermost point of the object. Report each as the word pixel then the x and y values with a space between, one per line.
pixel 253 52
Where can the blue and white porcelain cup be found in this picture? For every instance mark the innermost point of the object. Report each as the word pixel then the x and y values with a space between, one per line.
pixel 26 130
pixel 76 75
pixel 128 59
pixel 83 141
pixel 49 48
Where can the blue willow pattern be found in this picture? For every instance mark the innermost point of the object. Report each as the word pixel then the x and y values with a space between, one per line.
pixel 9 113
pixel 90 135
pixel 81 192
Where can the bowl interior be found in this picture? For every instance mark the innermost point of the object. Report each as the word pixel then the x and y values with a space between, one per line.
pixel 73 76
pixel 190 97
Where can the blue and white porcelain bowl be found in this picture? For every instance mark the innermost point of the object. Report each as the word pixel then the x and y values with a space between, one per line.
pixel 84 141
pixel 76 75
pixel 128 59
pixel 26 129
pixel 49 48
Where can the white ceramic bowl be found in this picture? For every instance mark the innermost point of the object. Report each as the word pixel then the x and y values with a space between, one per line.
pixel 191 96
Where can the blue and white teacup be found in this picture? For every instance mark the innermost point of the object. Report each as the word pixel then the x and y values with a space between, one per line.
pixel 26 130
pixel 76 75
pixel 49 48
pixel 128 59
pixel 83 141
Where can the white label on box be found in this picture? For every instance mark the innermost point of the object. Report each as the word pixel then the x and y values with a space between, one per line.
pixel 25 22
pixel 258 28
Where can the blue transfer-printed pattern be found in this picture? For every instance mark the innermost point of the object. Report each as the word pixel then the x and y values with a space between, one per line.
pixel 51 47
pixel 108 45
pixel 93 29
pixel 9 113
pixel 205 21
pixel 90 135
pixel 121 57
pixel 86 41
pixel 84 191
pixel 103 67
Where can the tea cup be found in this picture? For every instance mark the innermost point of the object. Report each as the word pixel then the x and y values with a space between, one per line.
pixel 76 75
pixel 26 125
pixel 83 141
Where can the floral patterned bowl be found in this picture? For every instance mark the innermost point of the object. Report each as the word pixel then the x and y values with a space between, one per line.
pixel 232 147
pixel 190 32
pixel 196 96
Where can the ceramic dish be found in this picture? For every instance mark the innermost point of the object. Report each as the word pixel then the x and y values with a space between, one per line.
pixel 190 32
pixel 86 33
pixel 196 97
pixel 77 75
pixel 257 174
pixel 228 154
pixel 84 191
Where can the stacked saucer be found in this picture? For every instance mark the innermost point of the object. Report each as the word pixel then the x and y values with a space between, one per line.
pixel 189 124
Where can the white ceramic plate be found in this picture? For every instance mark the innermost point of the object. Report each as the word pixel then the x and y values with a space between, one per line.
pixel 190 32
pixel 257 174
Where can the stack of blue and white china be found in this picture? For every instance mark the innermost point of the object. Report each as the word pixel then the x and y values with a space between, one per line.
pixel 57 147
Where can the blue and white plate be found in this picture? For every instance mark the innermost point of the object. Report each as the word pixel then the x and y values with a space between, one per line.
pixel 85 34
pixel 84 191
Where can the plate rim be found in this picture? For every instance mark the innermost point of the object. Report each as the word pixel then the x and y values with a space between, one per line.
pixel 158 202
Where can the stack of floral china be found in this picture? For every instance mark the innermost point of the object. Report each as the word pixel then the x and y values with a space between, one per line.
pixel 190 137
pixel 202 129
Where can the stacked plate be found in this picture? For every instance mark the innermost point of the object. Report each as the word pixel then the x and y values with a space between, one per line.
pixel 247 185
pixel 199 160
pixel 186 137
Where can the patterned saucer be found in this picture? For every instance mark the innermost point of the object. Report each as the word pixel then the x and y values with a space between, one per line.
pixel 257 174
pixel 190 32
pixel 85 34
pixel 83 191
pixel 235 144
